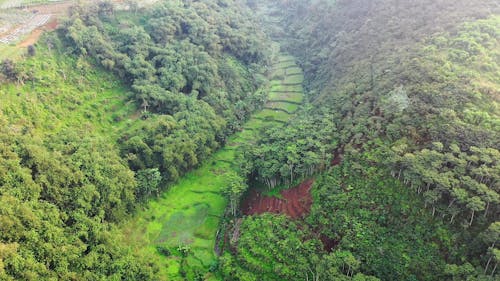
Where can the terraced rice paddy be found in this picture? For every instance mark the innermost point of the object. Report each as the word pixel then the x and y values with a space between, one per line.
pixel 188 214
pixel 28 26
pixel 294 202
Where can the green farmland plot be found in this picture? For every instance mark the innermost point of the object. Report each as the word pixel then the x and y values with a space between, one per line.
pixel 274 115
pixel 294 79
pixel 179 227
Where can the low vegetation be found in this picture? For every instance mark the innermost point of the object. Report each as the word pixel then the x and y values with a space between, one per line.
pixel 82 148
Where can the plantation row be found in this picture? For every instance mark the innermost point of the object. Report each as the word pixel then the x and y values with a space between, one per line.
pixel 184 224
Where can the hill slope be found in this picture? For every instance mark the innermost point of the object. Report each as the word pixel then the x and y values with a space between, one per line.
pixel 408 94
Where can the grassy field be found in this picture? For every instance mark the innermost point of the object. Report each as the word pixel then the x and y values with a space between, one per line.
pixel 294 79
pixel 10 51
pixel 51 104
pixel 294 70
pixel 292 96
pixel 189 213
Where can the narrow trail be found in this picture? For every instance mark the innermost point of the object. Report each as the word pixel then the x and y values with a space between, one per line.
pixel 189 212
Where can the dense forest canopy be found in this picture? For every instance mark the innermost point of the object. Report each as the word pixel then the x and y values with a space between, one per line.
pixel 403 90
pixel 191 72
pixel 400 130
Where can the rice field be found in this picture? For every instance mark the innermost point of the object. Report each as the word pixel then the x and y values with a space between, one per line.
pixel 188 214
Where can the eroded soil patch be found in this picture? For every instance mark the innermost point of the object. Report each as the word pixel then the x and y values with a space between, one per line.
pixel 294 202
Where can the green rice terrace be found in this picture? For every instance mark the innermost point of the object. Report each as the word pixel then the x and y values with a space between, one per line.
pixel 187 216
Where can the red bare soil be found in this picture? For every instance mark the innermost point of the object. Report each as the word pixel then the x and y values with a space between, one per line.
pixel 35 34
pixel 296 202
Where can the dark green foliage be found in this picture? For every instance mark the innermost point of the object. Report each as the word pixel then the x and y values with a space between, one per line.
pixel 31 50
pixel 380 222
pixel 164 251
pixel 413 86
pixel 67 180
pixel 173 144
pixel 148 181
pixel 298 150
pixel 275 248
pixel 459 183
pixel 413 79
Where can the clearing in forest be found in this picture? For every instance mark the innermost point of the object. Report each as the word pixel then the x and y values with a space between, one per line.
pixel 294 202
pixel 188 214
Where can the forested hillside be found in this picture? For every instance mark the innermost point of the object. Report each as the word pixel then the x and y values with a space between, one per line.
pixel 108 112
pixel 194 68
pixel 407 94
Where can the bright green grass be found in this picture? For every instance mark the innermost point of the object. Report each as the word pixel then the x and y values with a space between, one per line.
pixel 293 88
pixel 281 87
pixel 289 107
pixel 271 115
pixel 285 58
pixel 254 123
pixel 278 74
pixel 189 212
pixel 293 79
pixel 276 86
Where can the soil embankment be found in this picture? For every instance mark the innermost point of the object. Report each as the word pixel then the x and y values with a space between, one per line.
pixel 294 202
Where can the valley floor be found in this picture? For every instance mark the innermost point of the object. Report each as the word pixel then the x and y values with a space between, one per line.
pixel 188 215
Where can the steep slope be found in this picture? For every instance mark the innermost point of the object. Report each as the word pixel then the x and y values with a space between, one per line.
pixel 181 226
